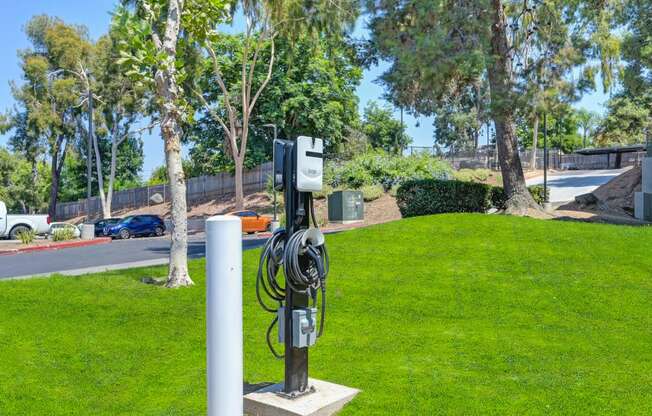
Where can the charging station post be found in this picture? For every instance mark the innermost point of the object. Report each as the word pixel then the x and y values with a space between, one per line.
pixel 299 250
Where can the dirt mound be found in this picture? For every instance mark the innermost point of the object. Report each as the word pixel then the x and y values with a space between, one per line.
pixel 615 197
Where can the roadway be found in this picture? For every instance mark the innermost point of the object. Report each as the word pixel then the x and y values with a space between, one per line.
pixel 565 186
pixel 119 254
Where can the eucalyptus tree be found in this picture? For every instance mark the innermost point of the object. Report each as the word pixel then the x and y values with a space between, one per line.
pixel 48 97
pixel 119 110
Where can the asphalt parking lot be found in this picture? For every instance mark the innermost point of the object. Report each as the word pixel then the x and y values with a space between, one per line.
pixel 119 254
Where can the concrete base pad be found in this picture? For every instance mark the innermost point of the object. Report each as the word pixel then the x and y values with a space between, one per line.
pixel 327 400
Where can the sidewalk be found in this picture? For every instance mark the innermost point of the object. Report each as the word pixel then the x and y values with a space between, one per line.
pixel 6 248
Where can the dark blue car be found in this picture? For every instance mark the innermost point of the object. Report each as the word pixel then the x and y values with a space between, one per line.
pixel 136 226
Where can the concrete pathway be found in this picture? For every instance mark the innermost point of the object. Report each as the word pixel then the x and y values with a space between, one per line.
pixel 565 186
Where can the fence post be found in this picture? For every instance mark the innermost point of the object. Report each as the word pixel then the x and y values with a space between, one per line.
pixel 224 316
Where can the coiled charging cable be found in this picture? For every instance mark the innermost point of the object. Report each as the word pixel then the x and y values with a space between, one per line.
pixel 305 262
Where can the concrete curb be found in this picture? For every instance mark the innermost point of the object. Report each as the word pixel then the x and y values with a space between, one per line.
pixel 56 246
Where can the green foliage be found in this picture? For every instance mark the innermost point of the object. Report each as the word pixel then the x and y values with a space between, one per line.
pixel 63 234
pixel 27 237
pixel 372 192
pixel 472 175
pixel 626 122
pixel 380 168
pixel 538 194
pixel 312 92
pixel 432 196
pixel 563 130
pixel 24 186
pixel 383 131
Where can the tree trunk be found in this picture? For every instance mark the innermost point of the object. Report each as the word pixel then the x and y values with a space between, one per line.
pixel 178 271
pixel 100 178
pixel 535 141
pixel 239 192
pixel 55 169
pixel 114 157
pixel 519 200
pixel 168 93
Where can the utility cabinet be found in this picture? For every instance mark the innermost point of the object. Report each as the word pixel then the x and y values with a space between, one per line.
pixel 345 207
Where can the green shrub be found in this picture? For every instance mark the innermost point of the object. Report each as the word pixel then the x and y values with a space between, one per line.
pixel 498 197
pixel 63 234
pixel 472 175
pixel 387 170
pixel 537 192
pixel 431 196
pixel 372 192
pixel 27 236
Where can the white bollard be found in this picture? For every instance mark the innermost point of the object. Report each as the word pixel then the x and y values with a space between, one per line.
pixel 224 316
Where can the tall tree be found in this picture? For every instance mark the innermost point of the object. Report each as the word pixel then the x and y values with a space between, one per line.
pixel 312 92
pixel 383 131
pixel 587 121
pixel 49 94
pixel 434 48
pixel 119 110
pixel 159 45
pixel 265 20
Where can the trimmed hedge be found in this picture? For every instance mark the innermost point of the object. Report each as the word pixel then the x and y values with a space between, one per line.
pixel 434 196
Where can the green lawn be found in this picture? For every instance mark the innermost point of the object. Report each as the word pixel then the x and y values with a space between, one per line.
pixel 452 314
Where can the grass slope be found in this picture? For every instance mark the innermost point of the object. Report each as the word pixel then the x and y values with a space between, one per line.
pixel 452 314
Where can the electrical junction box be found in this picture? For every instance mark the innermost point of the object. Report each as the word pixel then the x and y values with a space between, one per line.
pixel 345 207
pixel 304 327
pixel 310 164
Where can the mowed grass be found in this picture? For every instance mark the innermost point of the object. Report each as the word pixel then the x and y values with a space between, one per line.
pixel 451 314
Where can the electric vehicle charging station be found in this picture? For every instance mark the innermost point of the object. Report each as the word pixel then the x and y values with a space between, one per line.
pixel 300 251
pixel 299 295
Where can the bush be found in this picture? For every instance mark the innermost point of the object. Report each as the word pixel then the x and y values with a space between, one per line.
pixel 63 234
pixel 472 175
pixel 430 196
pixel 372 192
pixel 537 192
pixel 498 197
pixel 387 170
pixel 27 236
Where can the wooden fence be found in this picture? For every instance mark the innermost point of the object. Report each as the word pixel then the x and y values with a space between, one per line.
pixel 198 190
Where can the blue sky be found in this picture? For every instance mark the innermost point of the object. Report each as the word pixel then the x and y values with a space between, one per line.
pixel 95 15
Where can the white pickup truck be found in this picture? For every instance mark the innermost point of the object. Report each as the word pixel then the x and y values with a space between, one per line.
pixel 12 225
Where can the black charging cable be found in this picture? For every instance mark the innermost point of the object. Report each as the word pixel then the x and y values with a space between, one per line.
pixel 305 264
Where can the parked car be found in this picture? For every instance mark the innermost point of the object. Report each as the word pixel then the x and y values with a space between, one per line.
pixel 56 227
pixel 12 225
pixel 252 222
pixel 100 224
pixel 136 226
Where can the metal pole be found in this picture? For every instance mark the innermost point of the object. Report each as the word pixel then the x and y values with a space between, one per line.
pixel 89 158
pixel 224 356
pixel 275 203
pixel 545 157
pixel 296 359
